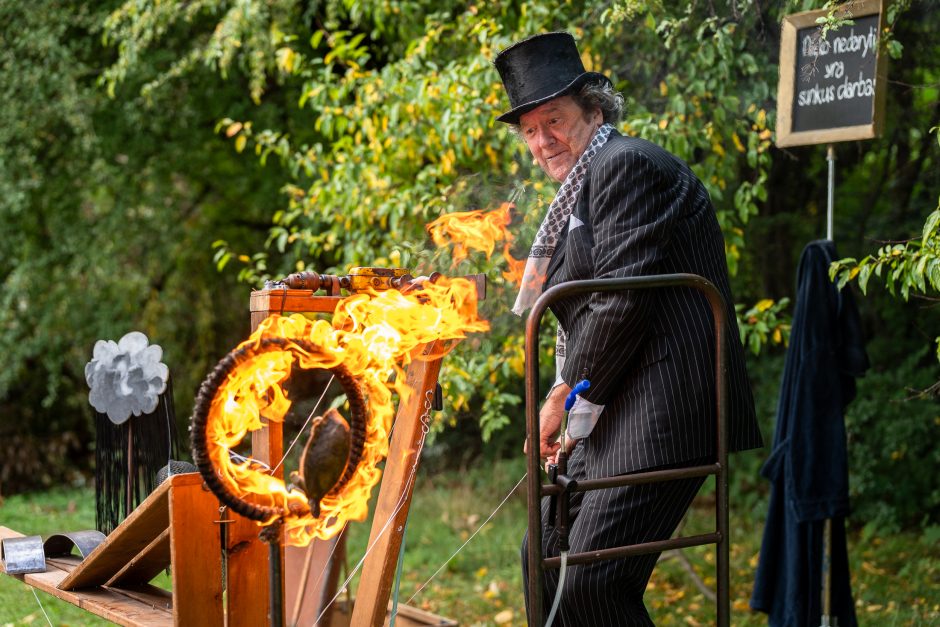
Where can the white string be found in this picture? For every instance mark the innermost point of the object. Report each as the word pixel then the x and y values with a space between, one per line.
pixel 448 560
pixel 307 422
pixel 40 606
pixel 425 428
pixel 398 506
pixel 238 457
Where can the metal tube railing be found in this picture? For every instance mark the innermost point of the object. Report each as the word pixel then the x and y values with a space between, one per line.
pixel 535 562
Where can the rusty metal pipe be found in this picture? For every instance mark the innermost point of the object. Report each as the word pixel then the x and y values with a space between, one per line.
pixel 720 537
pixel 640 478
pixel 644 548
pixel 271 535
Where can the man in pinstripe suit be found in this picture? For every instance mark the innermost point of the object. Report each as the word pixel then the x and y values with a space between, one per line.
pixel 625 207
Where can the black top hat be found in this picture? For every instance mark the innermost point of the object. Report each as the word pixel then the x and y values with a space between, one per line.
pixel 540 68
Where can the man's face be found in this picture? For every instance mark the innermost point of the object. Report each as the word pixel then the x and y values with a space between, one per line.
pixel 557 132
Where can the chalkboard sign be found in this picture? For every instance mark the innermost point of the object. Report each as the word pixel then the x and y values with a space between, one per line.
pixel 831 89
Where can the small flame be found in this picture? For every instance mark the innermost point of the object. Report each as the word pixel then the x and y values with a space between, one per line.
pixel 373 336
pixel 478 230
pixel 516 267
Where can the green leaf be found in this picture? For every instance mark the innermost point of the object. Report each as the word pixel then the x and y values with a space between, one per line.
pixel 843 279
pixel 917 274
pixel 895 49
pixel 930 226
pixel 753 341
pixel 864 274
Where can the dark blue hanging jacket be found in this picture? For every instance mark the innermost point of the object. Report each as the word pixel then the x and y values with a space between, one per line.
pixel 808 466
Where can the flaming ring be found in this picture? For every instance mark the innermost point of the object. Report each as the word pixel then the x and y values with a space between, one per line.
pixel 208 392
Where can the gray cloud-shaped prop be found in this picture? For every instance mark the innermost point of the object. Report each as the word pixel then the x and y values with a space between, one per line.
pixel 126 377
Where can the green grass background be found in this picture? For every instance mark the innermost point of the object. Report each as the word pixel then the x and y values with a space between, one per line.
pixel 896 578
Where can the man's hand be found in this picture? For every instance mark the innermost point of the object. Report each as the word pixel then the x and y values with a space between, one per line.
pixel 550 422
pixel 569 447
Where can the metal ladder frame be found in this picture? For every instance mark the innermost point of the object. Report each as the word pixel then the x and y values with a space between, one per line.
pixel 536 490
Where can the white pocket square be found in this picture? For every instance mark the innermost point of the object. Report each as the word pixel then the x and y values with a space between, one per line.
pixel 574 222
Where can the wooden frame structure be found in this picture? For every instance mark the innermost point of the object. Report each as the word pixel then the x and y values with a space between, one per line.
pixel 249 602
pixel 175 525
pixel 181 526
pixel 785 89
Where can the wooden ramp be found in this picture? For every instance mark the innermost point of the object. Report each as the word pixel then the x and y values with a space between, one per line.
pixel 175 527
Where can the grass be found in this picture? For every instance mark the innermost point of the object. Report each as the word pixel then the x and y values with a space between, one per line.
pixel 895 577
pixel 44 514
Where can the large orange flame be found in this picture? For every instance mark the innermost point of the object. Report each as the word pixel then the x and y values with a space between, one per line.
pixel 373 336
pixel 478 230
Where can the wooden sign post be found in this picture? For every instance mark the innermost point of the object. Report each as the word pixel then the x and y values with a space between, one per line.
pixel 831 89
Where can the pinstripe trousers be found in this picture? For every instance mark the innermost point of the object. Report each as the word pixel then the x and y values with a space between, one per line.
pixel 610 593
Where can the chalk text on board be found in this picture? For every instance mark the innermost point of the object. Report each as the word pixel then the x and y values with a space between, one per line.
pixel 816 95
pixel 814 45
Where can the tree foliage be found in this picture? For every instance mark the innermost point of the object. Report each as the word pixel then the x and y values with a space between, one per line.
pixel 147 143
pixel 401 129
pixel 107 213
pixel 904 267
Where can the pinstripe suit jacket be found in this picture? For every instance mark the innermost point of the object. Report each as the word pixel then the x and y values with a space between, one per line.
pixel 648 353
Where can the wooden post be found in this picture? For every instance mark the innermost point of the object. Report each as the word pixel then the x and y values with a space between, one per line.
pixel 249 604
pixel 248 601
pixel 391 511
pixel 197 572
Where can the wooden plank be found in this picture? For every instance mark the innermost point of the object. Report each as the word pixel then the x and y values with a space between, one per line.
pixel 375 584
pixel 413 617
pixel 114 607
pixel 131 537
pixel 306 570
pixel 102 602
pixel 65 562
pixel 408 616
pixel 278 300
pixel 246 576
pixel 311 577
pixel 196 557
pixel 147 594
pixel 147 564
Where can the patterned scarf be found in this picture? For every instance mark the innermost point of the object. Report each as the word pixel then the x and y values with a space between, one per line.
pixel 536 266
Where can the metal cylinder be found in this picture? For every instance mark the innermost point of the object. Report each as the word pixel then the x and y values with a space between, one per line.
pixel 272 536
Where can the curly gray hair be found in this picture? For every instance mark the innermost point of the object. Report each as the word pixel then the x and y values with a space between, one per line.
pixel 602 96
